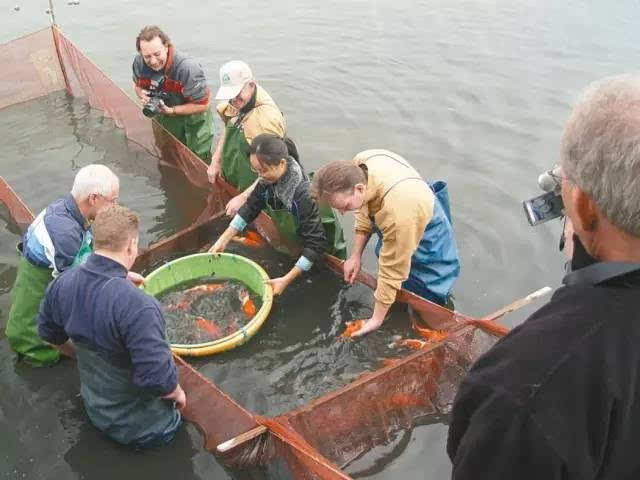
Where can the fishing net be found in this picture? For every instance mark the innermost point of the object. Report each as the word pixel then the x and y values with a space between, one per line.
pixel 319 439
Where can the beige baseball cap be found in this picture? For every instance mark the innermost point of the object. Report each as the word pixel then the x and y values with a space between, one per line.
pixel 233 76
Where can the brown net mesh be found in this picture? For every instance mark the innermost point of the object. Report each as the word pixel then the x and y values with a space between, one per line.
pixel 31 68
pixel 314 441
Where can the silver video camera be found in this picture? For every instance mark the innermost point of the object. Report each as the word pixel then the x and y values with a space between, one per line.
pixel 549 205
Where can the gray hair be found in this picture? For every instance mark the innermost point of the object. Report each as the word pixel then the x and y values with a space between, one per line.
pixel 94 178
pixel 600 151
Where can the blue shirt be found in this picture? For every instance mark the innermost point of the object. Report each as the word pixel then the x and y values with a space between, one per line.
pixel 98 307
pixel 56 235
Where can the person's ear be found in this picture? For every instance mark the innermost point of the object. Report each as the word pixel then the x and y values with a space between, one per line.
pixel 131 245
pixel 361 188
pixel 585 211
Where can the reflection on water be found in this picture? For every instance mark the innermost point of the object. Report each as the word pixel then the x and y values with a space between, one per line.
pixel 49 139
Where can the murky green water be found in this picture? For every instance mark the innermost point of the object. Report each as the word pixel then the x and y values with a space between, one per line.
pixel 472 92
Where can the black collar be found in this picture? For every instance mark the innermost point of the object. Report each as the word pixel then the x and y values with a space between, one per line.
pixel 586 269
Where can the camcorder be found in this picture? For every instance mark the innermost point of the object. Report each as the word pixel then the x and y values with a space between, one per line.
pixel 156 95
pixel 549 205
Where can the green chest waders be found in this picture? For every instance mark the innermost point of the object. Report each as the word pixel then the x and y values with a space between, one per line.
pixel 236 168
pixel 287 225
pixel 28 291
pixel 194 131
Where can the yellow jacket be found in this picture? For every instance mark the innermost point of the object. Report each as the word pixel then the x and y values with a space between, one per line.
pixel 265 117
pixel 401 205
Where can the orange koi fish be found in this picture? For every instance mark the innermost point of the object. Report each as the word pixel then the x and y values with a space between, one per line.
pixel 411 343
pixel 351 328
pixel 202 289
pixel 428 333
pixel 190 295
pixel 249 239
pixel 248 307
pixel 209 327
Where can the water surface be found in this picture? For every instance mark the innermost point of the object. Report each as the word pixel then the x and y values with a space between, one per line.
pixel 471 92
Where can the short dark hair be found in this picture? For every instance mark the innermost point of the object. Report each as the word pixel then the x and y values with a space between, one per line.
pixel 113 227
pixel 269 149
pixel 340 176
pixel 150 32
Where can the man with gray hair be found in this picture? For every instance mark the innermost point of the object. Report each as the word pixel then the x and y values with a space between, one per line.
pixel 559 397
pixel 58 238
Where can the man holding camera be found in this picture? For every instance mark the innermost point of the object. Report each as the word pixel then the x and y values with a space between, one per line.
pixel 559 397
pixel 173 90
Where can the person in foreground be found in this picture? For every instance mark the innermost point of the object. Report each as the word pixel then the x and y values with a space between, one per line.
pixel 416 247
pixel 185 111
pixel 283 189
pixel 57 239
pixel 128 380
pixel 559 397
pixel 246 110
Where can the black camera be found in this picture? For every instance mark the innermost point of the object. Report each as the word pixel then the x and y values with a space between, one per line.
pixel 156 95
pixel 549 205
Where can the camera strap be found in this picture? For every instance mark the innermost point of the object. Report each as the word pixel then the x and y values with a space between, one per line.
pixel 599 272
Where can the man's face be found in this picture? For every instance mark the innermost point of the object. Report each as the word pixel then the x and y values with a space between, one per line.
pixel 348 202
pixel 154 53
pixel 244 97
pixel 100 202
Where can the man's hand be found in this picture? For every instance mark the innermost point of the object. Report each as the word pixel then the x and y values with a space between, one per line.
pixel 379 313
pixel 279 285
pixel 179 397
pixel 170 111
pixel 142 94
pixel 214 169
pixel 352 268
pixel 67 349
pixel 369 326
pixel 135 278
pixel 219 246
pixel 235 204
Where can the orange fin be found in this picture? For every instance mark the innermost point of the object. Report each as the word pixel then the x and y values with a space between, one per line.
pixel 351 328
pixel 248 307
pixel 210 327
pixel 249 239
pixel 428 333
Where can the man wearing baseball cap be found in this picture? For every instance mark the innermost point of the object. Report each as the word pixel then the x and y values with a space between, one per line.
pixel 247 111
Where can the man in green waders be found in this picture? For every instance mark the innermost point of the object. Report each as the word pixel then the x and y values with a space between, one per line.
pixel 59 237
pixel 247 111
pixel 174 91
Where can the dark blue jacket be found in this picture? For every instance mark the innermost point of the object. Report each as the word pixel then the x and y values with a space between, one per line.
pixel 98 307
pixel 56 235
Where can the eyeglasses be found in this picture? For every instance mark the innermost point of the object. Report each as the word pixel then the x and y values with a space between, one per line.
pixel 113 200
